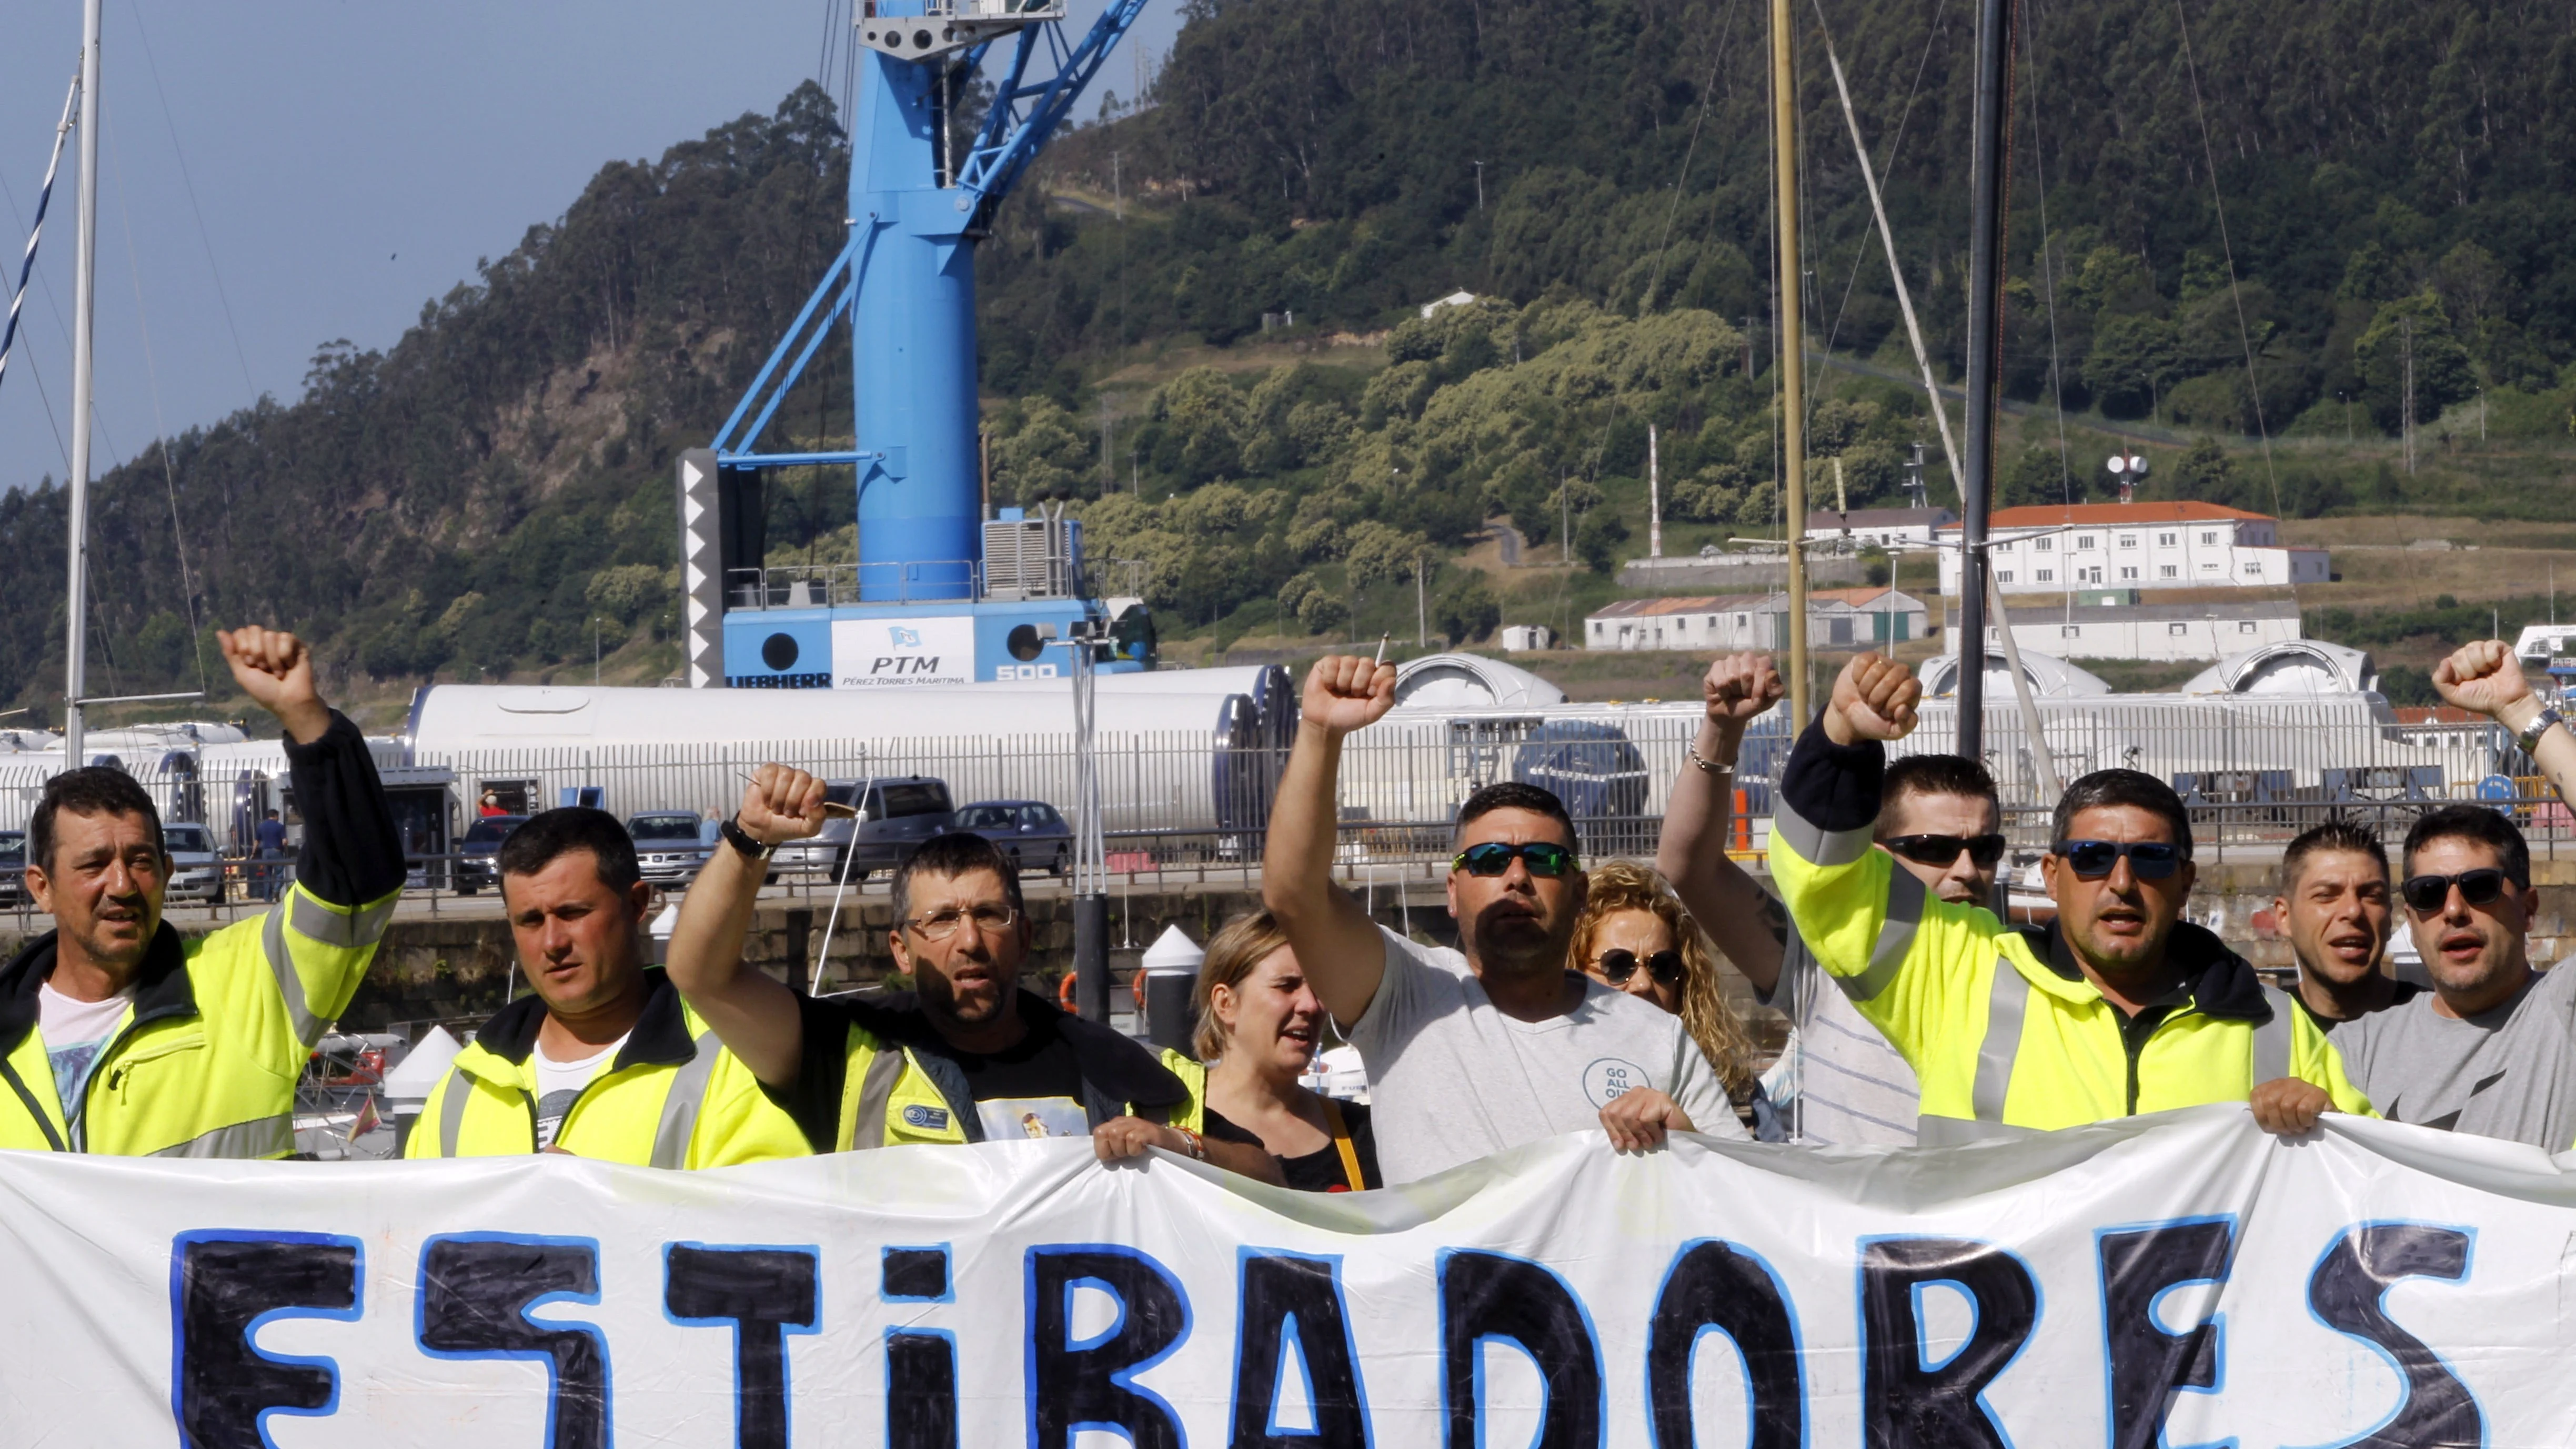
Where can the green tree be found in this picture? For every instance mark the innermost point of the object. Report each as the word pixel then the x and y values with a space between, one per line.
pixel 1465 609
pixel 2412 327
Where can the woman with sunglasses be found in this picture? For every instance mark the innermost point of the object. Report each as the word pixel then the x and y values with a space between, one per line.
pixel 1634 936
pixel 1259 1029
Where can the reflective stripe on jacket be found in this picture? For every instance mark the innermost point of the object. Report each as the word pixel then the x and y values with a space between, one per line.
pixel 204 1062
pixel 898 1089
pixel 2003 1029
pixel 673 1097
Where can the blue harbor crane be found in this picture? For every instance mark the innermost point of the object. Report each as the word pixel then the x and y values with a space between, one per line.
pixel 945 589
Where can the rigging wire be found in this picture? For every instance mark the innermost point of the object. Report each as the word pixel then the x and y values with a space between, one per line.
pixel 1895 144
pixel 35 233
pixel 2235 292
pixel 2047 253
pixel 152 374
pixel 188 183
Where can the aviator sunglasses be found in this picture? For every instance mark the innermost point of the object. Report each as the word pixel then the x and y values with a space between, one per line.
pixel 1984 850
pixel 2425 893
pixel 1495 857
pixel 1619 963
pixel 2094 859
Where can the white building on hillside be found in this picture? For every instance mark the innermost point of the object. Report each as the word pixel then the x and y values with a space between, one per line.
pixel 2136 546
pixel 1836 619
pixel 2164 632
pixel 1898 528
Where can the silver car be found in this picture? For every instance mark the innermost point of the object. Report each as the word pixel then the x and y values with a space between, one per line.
pixel 670 845
pixel 196 871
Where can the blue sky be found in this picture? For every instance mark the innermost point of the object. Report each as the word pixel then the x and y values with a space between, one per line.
pixel 344 163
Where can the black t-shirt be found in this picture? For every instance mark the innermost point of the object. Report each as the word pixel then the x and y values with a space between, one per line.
pixel 1032 1088
pixel 1320 1170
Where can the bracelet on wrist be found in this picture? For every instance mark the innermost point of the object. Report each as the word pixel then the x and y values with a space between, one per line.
pixel 1706 765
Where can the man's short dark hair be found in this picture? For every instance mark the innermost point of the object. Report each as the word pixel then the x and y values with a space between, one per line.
pixel 2341 837
pixel 1514 795
pixel 2110 789
pixel 553 834
pixel 1932 775
pixel 952 854
pixel 2481 824
pixel 90 790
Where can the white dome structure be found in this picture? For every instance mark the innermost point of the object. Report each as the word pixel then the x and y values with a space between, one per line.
pixel 1469 681
pixel 2050 677
pixel 2294 666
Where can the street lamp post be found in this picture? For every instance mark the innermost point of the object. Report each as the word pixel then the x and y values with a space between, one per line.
pixel 1090 847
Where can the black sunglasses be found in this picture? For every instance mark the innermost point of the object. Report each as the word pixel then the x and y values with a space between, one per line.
pixel 1984 850
pixel 2094 859
pixel 1494 857
pixel 1619 963
pixel 2425 894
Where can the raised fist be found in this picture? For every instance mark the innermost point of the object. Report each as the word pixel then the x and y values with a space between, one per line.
pixel 1739 688
pixel 2482 678
pixel 781 804
pixel 1874 699
pixel 275 669
pixel 1345 692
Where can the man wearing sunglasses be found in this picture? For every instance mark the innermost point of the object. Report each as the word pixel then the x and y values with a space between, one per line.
pixel 1473 1051
pixel 2491 1050
pixel 974 1059
pixel 2117 1008
pixel 1938 817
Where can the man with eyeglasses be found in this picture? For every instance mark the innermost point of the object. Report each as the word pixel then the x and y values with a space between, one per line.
pixel 974 1059
pixel 1496 1044
pixel 1938 816
pixel 2116 1008
pixel 2491 1049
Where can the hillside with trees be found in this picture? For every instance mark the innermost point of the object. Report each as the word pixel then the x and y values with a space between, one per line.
pixel 490 495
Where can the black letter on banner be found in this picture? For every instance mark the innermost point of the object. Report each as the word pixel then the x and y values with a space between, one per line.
pixel 1907 1405
pixel 1293 1299
pixel 921 1365
pixel 2148 1365
pixel 2346 1290
pixel 1090 1384
pixel 475 1290
pixel 1716 1286
pixel 222 1287
pixel 761 1293
pixel 1487 1295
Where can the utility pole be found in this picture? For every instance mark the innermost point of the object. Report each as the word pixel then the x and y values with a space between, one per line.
pixel 1990 173
pixel 1654 497
pixel 2406 357
pixel 84 398
pixel 1793 362
pixel 1421 609
pixel 1117 190
pixel 1480 183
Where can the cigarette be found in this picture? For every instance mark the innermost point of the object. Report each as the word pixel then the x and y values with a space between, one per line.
pixel 1381 650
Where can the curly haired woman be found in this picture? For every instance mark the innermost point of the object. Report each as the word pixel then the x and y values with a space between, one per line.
pixel 1635 937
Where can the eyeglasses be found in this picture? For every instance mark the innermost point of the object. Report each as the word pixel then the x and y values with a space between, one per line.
pixel 1495 857
pixel 2425 894
pixel 2094 859
pixel 940 925
pixel 1983 850
pixel 1619 963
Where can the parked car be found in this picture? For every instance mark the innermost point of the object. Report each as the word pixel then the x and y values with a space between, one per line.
pixel 476 866
pixel 1030 832
pixel 895 814
pixel 196 870
pixel 13 867
pixel 671 844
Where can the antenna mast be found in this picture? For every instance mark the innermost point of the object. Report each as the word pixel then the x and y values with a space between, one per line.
pixel 84 310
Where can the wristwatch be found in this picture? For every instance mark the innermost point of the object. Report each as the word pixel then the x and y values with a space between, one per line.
pixel 740 839
pixel 2548 719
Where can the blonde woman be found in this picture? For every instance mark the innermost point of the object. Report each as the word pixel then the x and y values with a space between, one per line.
pixel 1635 937
pixel 1260 1026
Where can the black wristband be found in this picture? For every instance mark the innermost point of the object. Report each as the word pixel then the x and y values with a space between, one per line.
pixel 740 839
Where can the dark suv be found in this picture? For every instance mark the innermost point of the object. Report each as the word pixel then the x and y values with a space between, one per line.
pixel 477 866
pixel 895 814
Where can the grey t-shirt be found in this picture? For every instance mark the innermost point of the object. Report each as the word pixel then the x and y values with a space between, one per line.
pixel 2509 1072
pixel 1452 1079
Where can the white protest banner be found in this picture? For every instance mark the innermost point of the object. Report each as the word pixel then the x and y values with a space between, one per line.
pixel 2182 1280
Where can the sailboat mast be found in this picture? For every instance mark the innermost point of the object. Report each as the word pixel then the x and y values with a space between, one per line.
pixel 1793 355
pixel 84 309
pixel 1989 182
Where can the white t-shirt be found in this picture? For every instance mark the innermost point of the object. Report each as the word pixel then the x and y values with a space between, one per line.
pixel 1452 1079
pixel 560 1084
pixel 75 1032
pixel 1839 1082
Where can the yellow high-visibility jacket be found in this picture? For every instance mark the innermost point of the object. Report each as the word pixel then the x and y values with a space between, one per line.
pixel 205 1060
pixel 673 1097
pixel 2001 1025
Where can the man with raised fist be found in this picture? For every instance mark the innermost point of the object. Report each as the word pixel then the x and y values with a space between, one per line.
pixel 2491 1049
pixel 2117 1007
pixel 1496 1044
pixel 119 1037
